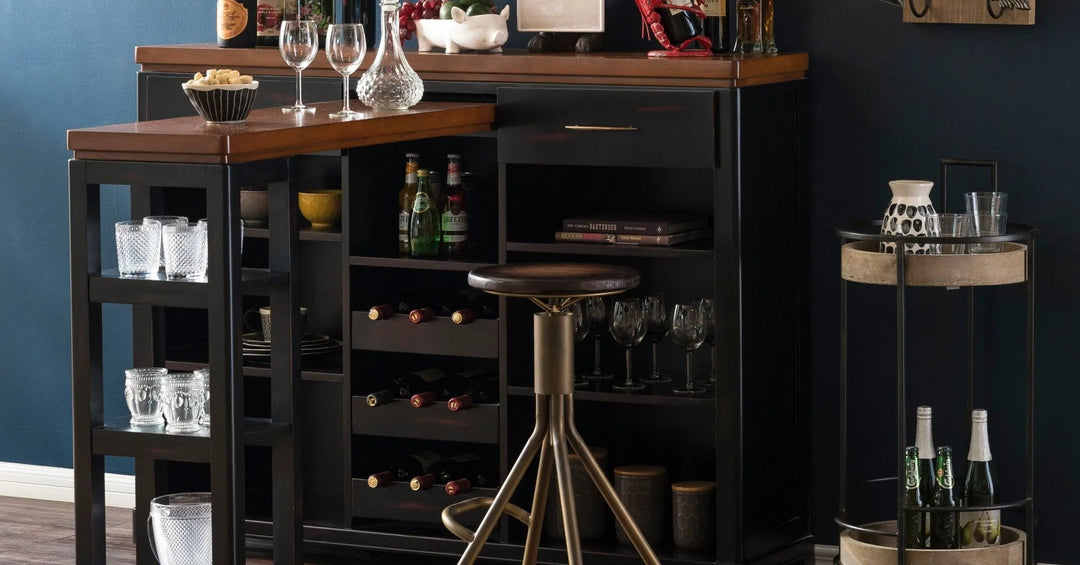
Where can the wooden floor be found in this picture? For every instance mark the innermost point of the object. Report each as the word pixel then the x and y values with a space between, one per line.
pixel 41 531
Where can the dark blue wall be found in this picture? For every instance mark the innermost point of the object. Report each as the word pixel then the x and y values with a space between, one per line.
pixel 886 100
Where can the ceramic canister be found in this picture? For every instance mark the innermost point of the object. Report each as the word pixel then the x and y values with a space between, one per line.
pixel 907 215
pixel 593 515
pixel 643 490
pixel 693 514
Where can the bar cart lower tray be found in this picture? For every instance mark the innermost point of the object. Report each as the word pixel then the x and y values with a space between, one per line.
pixel 862 548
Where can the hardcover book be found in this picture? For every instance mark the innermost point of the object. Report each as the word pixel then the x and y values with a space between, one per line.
pixel 642 224
pixel 631 238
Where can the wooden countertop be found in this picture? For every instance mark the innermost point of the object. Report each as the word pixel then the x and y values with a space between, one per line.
pixel 270 133
pixel 513 66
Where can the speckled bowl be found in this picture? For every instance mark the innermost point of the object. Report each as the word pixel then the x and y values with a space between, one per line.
pixel 223 103
pixel 320 207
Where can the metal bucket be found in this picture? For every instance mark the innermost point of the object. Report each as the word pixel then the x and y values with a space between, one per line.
pixel 180 530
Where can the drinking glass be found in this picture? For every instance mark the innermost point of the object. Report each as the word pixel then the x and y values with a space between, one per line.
pixel 298 43
pixel 656 328
pixel 688 332
pixel 582 323
pixel 596 312
pixel 709 314
pixel 184 251
pixel 345 49
pixel 204 416
pixel 142 391
pixel 182 396
pixel 164 221
pixel 138 246
pixel 628 329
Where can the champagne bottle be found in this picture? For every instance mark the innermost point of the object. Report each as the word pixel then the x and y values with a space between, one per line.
pixel 715 25
pixel 236 23
pixel 405 200
pixel 924 440
pixel 944 529
pixel 424 220
pixel 979 528
pixel 679 25
pixel 455 217
pixel 914 520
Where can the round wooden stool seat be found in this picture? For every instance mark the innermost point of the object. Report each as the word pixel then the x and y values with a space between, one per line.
pixel 554 280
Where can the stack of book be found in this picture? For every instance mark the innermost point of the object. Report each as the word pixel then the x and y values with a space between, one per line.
pixel 635 229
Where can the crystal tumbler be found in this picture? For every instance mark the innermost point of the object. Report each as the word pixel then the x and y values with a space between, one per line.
pixel 142 391
pixel 182 398
pixel 184 245
pixel 137 248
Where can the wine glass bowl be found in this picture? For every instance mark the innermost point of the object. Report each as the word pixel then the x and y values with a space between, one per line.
pixel 688 329
pixel 298 42
pixel 582 325
pixel 628 329
pixel 709 313
pixel 657 327
pixel 345 50
pixel 595 310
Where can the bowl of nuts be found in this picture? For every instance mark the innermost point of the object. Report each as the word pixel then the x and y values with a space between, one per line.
pixel 222 96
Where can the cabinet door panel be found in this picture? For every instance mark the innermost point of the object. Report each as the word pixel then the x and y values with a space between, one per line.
pixel 607 127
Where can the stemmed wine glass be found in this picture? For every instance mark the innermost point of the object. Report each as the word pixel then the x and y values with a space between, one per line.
pixel 345 49
pixel 595 311
pixel 656 327
pixel 688 331
pixel 582 323
pixel 709 313
pixel 628 329
pixel 298 42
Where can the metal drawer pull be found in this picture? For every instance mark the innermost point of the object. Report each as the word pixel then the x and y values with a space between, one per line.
pixel 601 128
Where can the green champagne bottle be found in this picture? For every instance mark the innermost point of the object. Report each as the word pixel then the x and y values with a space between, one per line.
pixel 979 529
pixel 424 220
pixel 914 520
pixel 944 529
pixel 924 440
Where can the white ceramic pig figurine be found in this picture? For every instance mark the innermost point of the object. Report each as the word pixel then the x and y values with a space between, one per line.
pixel 486 32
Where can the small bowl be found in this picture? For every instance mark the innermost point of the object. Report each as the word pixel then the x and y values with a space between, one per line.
pixel 320 207
pixel 253 207
pixel 222 103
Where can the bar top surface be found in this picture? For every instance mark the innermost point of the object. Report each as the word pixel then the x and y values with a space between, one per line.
pixel 270 133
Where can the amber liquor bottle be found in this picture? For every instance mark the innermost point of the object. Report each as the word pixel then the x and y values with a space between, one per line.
pixel 236 23
pixel 405 200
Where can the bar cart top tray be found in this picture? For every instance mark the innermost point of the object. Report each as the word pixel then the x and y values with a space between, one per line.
pixel 861 262
pixel 862 548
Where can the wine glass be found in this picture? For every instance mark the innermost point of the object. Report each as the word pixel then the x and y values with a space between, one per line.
pixel 596 312
pixel 582 324
pixel 345 49
pixel 656 327
pixel 298 42
pixel 688 332
pixel 709 314
pixel 628 329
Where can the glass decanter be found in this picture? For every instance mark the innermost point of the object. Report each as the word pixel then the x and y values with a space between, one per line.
pixel 390 83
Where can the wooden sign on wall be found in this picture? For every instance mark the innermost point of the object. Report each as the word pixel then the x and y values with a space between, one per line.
pixel 1011 12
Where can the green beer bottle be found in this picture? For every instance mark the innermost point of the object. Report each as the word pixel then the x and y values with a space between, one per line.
pixel 914 520
pixel 424 220
pixel 944 526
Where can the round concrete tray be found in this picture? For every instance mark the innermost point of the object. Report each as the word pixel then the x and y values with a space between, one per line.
pixel 861 262
pixel 860 548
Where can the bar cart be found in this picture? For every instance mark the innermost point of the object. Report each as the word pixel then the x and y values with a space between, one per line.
pixel 861 262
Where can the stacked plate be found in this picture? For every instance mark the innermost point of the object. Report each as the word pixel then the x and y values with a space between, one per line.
pixel 257 350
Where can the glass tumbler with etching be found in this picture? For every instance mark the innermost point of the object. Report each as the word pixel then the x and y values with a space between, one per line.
pixel 183 246
pixel 165 221
pixel 142 391
pixel 137 248
pixel 204 416
pixel 643 490
pixel 182 398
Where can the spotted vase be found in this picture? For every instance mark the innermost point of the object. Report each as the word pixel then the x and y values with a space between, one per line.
pixel 907 215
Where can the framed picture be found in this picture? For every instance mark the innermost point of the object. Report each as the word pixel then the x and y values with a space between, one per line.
pixel 570 16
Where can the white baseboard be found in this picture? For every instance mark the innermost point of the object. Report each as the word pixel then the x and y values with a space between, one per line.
pixel 823 554
pixel 56 483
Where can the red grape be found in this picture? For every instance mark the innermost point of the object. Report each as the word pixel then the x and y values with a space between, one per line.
pixel 429 4
pixel 415 15
pixel 406 9
pixel 430 13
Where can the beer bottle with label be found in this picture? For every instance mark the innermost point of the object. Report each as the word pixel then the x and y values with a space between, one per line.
pixel 424 220
pixel 914 520
pixel 979 528
pixel 455 218
pixel 944 529
pixel 405 200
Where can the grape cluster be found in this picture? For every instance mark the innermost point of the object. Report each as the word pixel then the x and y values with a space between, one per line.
pixel 435 9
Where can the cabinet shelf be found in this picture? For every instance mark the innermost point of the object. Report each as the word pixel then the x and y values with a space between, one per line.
pixel 693 250
pixel 660 395
pixel 399 502
pixel 157 290
pixel 421 264
pixel 306 234
pixel 118 437
pixel 320 368
pixel 440 336
pixel 479 424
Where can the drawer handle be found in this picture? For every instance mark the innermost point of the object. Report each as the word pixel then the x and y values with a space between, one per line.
pixel 601 128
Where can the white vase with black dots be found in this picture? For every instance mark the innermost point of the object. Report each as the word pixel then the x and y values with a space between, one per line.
pixel 909 214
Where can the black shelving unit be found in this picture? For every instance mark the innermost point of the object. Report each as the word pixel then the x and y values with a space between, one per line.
pixel 965 271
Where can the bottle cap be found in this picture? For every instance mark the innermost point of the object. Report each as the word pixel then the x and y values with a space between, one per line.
pixel 422 399
pixel 453 156
pixel 463 316
pixel 459 486
pixel 978 416
pixel 422 482
pixel 459 403
pixel 380 312
pixel 422 173
pixel 380 397
pixel 412 155
pixel 923 413
pixel 381 479
pixel 420 315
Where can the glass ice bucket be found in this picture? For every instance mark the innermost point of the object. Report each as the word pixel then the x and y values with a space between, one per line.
pixel 179 529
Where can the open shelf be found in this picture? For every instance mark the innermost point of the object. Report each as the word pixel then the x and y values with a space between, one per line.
pixel 305 234
pixel 157 290
pixel 119 437
pixel 410 263
pixel 439 336
pixel 653 395
pixel 398 502
pixel 692 250
pixel 478 424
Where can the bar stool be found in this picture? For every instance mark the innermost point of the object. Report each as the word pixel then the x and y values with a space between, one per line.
pixel 554 287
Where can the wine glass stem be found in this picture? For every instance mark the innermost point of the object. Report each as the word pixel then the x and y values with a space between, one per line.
pixel 299 91
pixel 345 93
pixel 689 372
pixel 655 369
pixel 596 355
pixel 628 381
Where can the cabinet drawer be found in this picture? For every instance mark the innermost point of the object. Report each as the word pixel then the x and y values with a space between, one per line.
pixel 440 336
pixel 607 127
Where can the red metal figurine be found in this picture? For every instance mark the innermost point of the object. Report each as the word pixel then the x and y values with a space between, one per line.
pixel 650 24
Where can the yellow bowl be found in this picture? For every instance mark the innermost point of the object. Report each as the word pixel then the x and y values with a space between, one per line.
pixel 320 207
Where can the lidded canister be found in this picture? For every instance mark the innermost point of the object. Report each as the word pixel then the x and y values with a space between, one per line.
pixel 593 515
pixel 643 490
pixel 693 514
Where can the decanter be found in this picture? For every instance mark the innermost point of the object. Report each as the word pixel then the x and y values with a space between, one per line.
pixel 390 83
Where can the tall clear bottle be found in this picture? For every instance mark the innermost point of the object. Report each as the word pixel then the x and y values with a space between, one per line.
pixel 914 520
pixel 390 83
pixel 424 220
pixel 982 528
pixel 944 529
pixel 405 201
